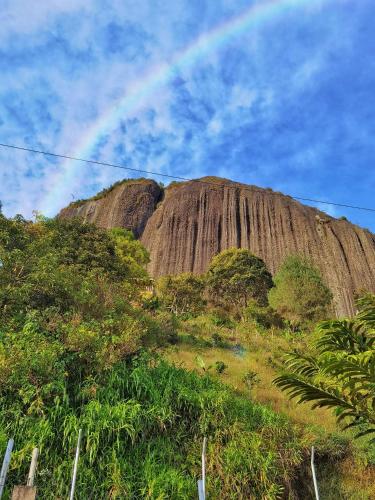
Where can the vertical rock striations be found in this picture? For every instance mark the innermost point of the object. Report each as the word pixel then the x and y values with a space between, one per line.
pixel 196 220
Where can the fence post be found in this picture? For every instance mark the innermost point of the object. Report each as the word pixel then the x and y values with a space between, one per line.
pixel 33 465
pixel 75 466
pixel 5 466
pixel 202 482
pixel 313 474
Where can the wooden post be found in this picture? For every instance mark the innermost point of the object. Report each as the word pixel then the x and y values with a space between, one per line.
pixel 75 467
pixel 313 474
pixel 28 492
pixel 24 493
pixel 33 465
pixel 5 466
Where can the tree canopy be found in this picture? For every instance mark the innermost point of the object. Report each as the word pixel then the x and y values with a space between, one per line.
pixel 236 275
pixel 68 295
pixel 300 293
pixel 182 293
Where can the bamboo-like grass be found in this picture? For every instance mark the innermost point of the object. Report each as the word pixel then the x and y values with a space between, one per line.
pixel 143 426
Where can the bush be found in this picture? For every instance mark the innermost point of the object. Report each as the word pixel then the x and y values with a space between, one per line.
pixel 182 294
pixel 235 276
pixel 250 379
pixel 300 294
pixel 218 341
pixel 265 317
pixel 220 367
pixel 168 324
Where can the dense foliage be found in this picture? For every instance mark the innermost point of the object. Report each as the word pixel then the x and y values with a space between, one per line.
pixel 71 331
pixel 78 326
pixel 340 372
pixel 235 276
pixel 182 293
pixel 300 295
pixel 143 428
pixel 68 307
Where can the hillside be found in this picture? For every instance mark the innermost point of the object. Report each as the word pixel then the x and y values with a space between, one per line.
pixel 186 224
pixel 84 344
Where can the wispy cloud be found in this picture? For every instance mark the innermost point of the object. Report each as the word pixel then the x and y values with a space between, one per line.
pixel 287 104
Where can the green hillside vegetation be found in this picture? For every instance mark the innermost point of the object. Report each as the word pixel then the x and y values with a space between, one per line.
pixel 84 343
pixel 300 295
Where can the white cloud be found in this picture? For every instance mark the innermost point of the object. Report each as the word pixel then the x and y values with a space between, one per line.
pixel 23 17
pixel 215 126
pixel 242 97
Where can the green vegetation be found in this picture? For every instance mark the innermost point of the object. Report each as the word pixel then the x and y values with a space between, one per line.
pixel 253 356
pixel 340 372
pixel 101 194
pixel 144 424
pixel 300 294
pixel 182 294
pixel 235 276
pixel 84 343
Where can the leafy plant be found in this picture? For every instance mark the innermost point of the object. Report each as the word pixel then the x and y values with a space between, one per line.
pixel 182 294
pixel 300 295
pixel 235 276
pixel 340 372
pixel 250 379
pixel 202 364
pixel 220 367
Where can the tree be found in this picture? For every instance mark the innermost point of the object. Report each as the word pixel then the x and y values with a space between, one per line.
pixel 182 293
pixel 300 295
pixel 235 276
pixel 68 304
pixel 340 372
pixel 133 256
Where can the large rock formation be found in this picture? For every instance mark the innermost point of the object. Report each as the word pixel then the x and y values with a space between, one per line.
pixel 129 205
pixel 187 224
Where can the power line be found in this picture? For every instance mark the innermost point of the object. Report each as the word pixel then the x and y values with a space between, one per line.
pixel 174 177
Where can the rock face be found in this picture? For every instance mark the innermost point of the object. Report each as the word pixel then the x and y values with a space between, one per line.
pixel 184 227
pixel 128 205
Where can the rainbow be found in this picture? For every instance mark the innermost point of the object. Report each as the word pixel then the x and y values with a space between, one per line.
pixel 158 76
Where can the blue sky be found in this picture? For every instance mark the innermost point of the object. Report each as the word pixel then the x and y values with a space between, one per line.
pixel 286 103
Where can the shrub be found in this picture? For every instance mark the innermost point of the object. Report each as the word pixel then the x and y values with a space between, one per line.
pixel 220 367
pixel 182 294
pixel 265 317
pixel 235 276
pixel 250 379
pixel 217 340
pixel 300 294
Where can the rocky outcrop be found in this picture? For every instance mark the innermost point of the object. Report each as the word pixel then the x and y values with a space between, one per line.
pixel 195 220
pixel 129 205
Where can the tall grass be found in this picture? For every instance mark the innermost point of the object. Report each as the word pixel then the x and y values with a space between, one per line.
pixel 143 426
pixel 345 466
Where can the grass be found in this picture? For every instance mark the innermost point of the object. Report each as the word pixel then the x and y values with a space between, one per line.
pixel 143 429
pixel 260 354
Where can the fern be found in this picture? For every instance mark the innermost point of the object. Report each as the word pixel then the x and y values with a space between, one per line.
pixel 340 373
